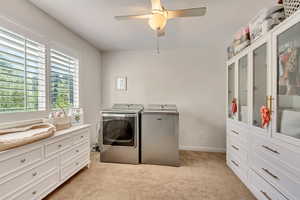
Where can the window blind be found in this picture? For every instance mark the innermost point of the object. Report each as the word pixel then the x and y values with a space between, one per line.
pixel 22 73
pixel 64 92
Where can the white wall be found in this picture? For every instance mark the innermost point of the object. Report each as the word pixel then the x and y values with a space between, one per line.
pixel 193 79
pixel 26 18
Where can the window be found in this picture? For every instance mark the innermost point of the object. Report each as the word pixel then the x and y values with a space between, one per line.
pixel 22 73
pixel 64 80
pixel 23 76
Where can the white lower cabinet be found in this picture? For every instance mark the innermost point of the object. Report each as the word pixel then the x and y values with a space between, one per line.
pixel 261 189
pixel 269 168
pixel 18 160
pixel 239 167
pixel 33 171
pixel 44 185
pixel 20 180
pixel 237 150
pixel 74 152
pixel 279 177
pixel 71 167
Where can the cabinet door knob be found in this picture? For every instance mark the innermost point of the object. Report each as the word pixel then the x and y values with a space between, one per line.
pixel 77 163
pixel 23 160
pixel 59 146
pixel 34 193
pixel 34 174
pixel 77 151
pixel 82 137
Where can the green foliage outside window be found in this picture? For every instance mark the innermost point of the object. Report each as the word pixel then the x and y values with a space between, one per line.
pixel 62 91
pixel 12 89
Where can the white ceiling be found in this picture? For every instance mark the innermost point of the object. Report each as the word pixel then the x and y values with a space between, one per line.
pixel 94 21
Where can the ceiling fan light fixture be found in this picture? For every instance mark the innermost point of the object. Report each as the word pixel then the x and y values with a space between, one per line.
pixel 158 21
pixel 159 16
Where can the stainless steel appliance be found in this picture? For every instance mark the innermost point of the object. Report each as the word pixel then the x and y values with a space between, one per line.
pixel 119 134
pixel 159 136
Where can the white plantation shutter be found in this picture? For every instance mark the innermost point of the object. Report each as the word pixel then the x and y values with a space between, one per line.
pixel 22 73
pixel 35 76
pixel 64 91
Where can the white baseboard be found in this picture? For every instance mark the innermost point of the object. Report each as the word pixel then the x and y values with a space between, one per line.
pixel 202 148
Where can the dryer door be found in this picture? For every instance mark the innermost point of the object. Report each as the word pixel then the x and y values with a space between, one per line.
pixel 119 129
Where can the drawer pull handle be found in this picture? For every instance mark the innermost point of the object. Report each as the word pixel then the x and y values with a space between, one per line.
pixel 23 160
pixel 236 148
pixel 266 195
pixel 271 174
pixel 34 193
pixel 237 133
pixel 34 174
pixel 269 149
pixel 59 146
pixel 235 163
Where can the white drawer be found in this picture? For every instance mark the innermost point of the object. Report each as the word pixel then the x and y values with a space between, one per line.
pixel 263 190
pixel 81 136
pixel 238 133
pixel 55 146
pixel 77 150
pixel 19 161
pixel 277 153
pixel 238 166
pixel 74 165
pixel 238 149
pixel 45 184
pixel 21 180
pixel 284 181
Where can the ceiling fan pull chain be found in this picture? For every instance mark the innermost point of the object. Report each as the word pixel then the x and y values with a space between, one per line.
pixel 157 43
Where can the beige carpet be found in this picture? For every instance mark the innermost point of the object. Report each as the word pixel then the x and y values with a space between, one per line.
pixel 202 176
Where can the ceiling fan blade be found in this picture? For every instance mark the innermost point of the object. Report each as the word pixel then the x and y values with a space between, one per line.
pixel 191 12
pixel 161 33
pixel 156 5
pixel 129 17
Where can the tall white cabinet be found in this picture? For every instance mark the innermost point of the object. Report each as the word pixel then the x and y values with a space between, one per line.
pixel 267 73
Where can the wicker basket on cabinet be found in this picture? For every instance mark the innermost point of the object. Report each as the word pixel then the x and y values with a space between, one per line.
pixel 291 6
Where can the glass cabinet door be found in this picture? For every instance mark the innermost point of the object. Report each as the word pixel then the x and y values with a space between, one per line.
pixel 243 89
pixel 260 70
pixel 288 82
pixel 231 88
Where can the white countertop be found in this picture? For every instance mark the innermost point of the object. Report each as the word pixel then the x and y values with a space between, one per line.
pixel 56 134
pixel 68 130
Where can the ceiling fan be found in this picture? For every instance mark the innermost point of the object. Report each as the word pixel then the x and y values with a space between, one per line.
pixel 160 15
